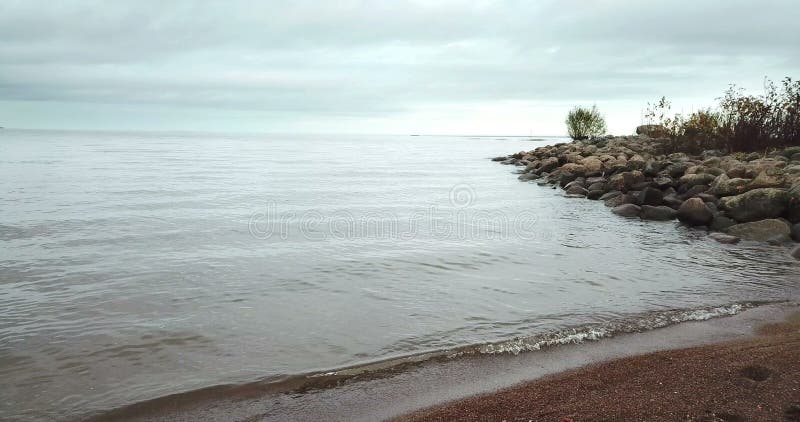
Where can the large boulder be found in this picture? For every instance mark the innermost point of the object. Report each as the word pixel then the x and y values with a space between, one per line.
pixel 592 164
pixel 694 212
pixel 625 180
pixel 770 230
pixel 650 196
pixel 721 222
pixel 659 213
pixel 737 171
pixel 676 170
pixel 769 178
pixel 574 168
pixel 725 186
pixel 610 195
pixel 757 204
pixel 796 253
pixel 548 164
pixel 791 152
pixel 627 210
pixel 594 194
pixel 690 180
pixel 577 190
pixel 663 182
pixel 793 211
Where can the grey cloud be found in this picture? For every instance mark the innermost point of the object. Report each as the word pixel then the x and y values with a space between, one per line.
pixel 385 57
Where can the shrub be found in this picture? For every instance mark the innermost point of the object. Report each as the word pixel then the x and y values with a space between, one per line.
pixel 741 123
pixel 584 123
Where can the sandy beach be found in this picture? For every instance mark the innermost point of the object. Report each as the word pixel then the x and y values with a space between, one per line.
pixel 756 379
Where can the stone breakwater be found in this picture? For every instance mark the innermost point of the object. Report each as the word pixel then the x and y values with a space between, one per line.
pixel 738 196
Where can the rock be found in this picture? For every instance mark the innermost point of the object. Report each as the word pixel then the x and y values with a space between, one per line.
pixel 770 230
pixel 737 171
pixel 565 178
pixel 576 182
pixel 721 222
pixel 576 169
pixel 652 168
pixel 696 179
pixel 627 210
pixel 637 162
pixel 694 190
pixel 672 201
pixel 707 197
pixel 528 177
pixel 724 238
pixel 650 196
pixel 696 170
pixel 577 190
pixel 620 200
pixel 601 186
pixel 499 158
pixel 548 164
pixel 793 210
pixel 769 178
pixel 595 194
pixel 796 253
pixel 796 232
pixel 659 213
pixel 712 162
pixel 615 201
pixel 694 212
pixel 625 180
pixel 609 195
pixel 755 167
pixel 791 152
pixel 663 182
pixel 652 131
pixel 593 180
pixel 642 185
pixel 725 186
pixel 757 204
pixel 592 164
pixel 677 170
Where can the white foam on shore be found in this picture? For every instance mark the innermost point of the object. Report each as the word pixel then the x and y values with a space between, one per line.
pixel 639 323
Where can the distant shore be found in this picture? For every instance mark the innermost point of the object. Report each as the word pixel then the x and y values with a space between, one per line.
pixel 753 379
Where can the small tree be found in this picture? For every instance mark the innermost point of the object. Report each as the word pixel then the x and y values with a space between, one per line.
pixel 583 123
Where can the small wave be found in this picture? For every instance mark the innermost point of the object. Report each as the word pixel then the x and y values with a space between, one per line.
pixel 639 323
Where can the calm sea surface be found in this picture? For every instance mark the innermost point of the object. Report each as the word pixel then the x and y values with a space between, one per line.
pixel 136 265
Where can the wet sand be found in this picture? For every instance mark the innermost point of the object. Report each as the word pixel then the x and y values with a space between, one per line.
pixel 757 379
pixel 398 392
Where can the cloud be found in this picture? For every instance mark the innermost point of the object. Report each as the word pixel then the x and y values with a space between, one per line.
pixel 387 59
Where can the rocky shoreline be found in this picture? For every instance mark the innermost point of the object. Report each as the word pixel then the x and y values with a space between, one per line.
pixel 735 197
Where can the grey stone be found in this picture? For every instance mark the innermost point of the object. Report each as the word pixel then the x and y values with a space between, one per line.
pixel 659 213
pixel 627 210
pixel 724 238
pixel 694 212
pixel 757 204
pixel 769 230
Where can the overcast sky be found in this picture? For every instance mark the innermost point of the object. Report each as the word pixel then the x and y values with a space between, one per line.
pixel 456 67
